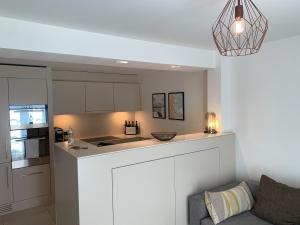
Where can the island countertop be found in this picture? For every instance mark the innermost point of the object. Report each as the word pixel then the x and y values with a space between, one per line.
pixel 92 150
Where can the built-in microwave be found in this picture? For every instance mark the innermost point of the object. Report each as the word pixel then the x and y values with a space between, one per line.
pixel 29 134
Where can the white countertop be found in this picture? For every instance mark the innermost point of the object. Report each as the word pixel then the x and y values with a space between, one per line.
pixel 93 150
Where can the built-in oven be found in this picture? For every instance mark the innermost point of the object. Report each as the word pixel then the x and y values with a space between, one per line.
pixel 29 135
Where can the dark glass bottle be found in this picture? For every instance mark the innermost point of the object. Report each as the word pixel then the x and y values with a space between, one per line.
pixel 125 125
pixel 136 127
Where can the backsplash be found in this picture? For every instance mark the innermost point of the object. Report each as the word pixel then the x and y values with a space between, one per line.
pixel 93 125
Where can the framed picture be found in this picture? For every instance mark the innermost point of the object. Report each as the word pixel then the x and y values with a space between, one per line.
pixel 159 105
pixel 176 105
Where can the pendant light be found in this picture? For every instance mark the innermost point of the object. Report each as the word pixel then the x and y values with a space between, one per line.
pixel 240 29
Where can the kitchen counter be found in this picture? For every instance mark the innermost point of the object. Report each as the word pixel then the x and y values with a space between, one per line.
pixel 93 150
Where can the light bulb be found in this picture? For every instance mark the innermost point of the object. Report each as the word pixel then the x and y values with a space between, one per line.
pixel 238 26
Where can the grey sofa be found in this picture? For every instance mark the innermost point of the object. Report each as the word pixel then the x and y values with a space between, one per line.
pixel 198 214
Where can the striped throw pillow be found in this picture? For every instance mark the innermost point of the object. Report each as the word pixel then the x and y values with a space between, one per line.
pixel 224 204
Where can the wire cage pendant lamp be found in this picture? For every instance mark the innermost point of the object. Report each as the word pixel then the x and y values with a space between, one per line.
pixel 240 29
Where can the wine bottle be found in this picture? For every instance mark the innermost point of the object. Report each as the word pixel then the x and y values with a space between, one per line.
pixel 125 125
pixel 136 127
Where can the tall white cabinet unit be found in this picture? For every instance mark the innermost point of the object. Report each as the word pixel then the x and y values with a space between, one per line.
pixel 4 122
pixel 21 188
pixel 144 185
pixel 6 196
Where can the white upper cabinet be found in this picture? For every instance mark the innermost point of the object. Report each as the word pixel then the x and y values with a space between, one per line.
pixel 4 122
pixel 99 97
pixel 5 184
pixel 27 91
pixel 68 97
pixel 77 97
pixel 144 193
pixel 127 97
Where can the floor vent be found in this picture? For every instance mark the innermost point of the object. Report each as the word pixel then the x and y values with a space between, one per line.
pixel 5 209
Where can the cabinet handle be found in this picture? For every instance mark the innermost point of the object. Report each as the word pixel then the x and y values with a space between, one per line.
pixel 31 174
pixel 7 179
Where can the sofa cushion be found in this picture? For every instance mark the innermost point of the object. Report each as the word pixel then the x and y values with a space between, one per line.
pixel 224 204
pixel 277 203
pixel 245 218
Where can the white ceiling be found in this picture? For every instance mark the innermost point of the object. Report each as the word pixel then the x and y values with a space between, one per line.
pixel 180 22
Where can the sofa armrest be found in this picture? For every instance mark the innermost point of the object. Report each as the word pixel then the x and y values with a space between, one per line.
pixel 197 209
pixel 253 185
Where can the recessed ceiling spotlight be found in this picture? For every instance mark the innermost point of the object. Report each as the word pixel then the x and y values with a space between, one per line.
pixel 122 61
pixel 175 66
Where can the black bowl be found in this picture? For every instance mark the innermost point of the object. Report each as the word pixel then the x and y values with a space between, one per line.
pixel 164 136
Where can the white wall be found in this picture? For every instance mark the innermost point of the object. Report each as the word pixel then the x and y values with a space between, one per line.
pixel 214 93
pixel 193 84
pixel 28 40
pixel 94 125
pixel 265 102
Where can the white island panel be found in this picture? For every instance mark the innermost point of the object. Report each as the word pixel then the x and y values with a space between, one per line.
pixel 112 177
pixel 144 193
pixel 194 172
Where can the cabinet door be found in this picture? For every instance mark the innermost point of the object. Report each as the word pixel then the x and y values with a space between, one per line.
pixel 68 97
pixel 31 182
pixel 5 184
pixel 127 97
pixel 99 97
pixel 194 173
pixel 4 122
pixel 27 91
pixel 144 193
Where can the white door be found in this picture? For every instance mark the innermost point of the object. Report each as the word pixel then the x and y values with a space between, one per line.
pixel 5 184
pixel 68 97
pixel 144 194
pixel 4 122
pixel 27 91
pixel 194 173
pixel 127 97
pixel 99 97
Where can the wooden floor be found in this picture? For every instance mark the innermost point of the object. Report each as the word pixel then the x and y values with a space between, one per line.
pixel 36 216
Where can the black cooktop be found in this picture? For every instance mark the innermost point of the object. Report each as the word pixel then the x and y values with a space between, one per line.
pixel 112 140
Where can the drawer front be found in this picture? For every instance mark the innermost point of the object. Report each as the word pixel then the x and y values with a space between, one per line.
pixel 31 182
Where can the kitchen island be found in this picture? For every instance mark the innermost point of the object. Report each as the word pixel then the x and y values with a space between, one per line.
pixel 145 182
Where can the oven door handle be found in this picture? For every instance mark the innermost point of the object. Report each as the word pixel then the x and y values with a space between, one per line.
pixel 32 174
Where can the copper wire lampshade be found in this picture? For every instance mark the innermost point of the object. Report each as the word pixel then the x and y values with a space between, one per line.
pixel 240 29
